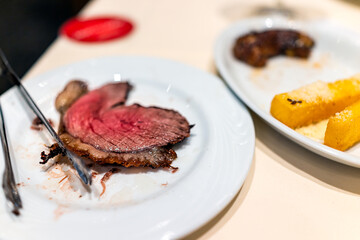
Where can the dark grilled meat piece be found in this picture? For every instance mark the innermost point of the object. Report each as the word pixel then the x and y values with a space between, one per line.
pixel 256 47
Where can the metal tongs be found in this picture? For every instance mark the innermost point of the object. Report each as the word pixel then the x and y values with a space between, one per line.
pixel 77 162
pixel 9 184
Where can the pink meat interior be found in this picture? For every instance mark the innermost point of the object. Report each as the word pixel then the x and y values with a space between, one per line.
pixel 101 119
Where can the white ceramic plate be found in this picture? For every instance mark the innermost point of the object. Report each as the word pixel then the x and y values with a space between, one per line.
pixel 336 55
pixel 138 203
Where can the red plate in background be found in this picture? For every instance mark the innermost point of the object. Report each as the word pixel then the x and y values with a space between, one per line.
pixel 97 29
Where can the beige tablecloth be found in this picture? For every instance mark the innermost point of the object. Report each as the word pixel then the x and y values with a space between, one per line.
pixel 290 193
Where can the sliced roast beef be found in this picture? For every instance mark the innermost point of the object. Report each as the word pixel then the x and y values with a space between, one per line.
pixel 97 119
pixel 98 126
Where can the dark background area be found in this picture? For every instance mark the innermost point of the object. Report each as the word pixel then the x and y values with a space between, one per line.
pixel 28 27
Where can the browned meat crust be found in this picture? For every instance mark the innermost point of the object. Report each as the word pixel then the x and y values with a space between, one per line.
pixel 154 158
pixel 256 47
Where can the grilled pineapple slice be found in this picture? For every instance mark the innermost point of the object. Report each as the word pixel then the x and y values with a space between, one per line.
pixel 343 129
pixel 315 102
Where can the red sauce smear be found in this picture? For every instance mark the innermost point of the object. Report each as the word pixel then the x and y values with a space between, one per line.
pixel 63 178
pixel 21 184
pixel 94 174
pixel 174 169
pixel 106 177
pixel 37 124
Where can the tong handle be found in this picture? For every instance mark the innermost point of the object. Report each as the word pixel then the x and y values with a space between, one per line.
pixel 9 184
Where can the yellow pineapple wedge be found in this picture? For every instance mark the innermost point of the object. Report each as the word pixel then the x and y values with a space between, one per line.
pixel 315 102
pixel 343 129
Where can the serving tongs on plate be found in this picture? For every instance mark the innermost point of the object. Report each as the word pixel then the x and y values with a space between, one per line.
pixel 76 161
pixel 9 184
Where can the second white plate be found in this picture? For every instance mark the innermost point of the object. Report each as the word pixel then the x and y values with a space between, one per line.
pixel 336 55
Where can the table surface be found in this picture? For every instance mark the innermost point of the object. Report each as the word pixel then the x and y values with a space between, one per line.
pixel 290 192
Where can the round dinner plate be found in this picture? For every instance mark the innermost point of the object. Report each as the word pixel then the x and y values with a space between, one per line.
pixel 336 55
pixel 138 203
